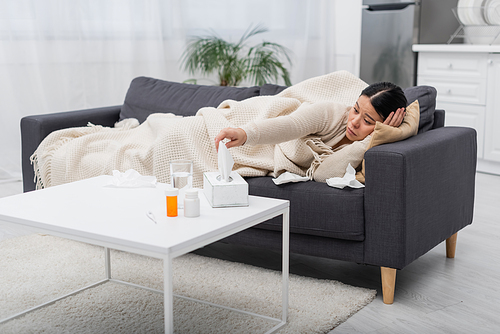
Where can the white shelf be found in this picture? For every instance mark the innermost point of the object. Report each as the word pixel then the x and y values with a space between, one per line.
pixel 456 48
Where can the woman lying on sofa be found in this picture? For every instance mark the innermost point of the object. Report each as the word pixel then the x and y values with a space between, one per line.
pixel 380 102
pixel 307 129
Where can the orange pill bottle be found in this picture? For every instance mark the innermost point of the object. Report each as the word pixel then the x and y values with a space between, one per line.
pixel 171 195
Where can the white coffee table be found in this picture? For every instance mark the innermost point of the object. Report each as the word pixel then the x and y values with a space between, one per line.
pixel 96 213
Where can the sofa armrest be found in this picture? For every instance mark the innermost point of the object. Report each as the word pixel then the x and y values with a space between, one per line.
pixel 419 192
pixel 35 128
pixel 439 116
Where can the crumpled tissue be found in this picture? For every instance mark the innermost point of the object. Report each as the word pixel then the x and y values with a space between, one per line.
pixel 287 177
pixel 132 179
pixel 349 180
pixel 225 161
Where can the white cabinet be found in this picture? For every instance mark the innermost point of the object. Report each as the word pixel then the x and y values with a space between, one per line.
pixel 492 125
pixel 468 86
pixel 471 116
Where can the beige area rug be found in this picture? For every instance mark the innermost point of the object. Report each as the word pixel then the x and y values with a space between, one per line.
pixel 38 268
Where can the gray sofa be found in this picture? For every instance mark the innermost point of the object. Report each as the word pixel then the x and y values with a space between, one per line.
pixel 419 192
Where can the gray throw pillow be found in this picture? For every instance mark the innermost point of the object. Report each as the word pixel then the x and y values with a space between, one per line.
pixel 271 89
pixel 146 96
pixel 426 96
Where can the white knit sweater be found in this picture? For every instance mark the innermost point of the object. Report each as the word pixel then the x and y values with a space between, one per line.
pixel 320 126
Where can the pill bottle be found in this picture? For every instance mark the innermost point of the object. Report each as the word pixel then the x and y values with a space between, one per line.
pixel 191 203
pixel 171 195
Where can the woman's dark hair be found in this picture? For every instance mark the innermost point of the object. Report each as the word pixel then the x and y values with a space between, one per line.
pixel 385 97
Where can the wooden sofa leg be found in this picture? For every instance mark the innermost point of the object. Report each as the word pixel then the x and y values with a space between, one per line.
pixel 388 284
pixel 451 246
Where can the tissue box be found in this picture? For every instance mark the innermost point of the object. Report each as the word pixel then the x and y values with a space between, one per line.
pixel 222 194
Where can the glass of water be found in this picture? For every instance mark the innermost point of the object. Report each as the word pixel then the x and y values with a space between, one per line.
pixel 181 177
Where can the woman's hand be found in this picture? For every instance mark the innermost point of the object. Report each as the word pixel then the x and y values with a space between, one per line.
pixel 395 118
pixel 236 136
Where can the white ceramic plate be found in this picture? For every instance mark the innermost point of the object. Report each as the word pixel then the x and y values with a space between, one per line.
pixel 470 12
pixel 462 11
pixel 477 14
pixel 492 12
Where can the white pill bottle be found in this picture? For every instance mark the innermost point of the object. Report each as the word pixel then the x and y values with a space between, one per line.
pixel 191 203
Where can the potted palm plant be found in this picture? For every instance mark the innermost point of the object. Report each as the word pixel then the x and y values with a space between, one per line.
pixel 235 62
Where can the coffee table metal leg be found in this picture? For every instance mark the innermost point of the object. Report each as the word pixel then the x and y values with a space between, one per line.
pixel 107 261
pixel 167 295
pixel 285 266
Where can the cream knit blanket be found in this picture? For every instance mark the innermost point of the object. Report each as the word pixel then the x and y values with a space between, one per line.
pixel 77 153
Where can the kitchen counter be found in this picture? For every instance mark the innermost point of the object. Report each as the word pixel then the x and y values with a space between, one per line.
pixel 462 48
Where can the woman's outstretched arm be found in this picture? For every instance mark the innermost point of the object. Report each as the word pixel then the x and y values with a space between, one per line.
pixel 322 119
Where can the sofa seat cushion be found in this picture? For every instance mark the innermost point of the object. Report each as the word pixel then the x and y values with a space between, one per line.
pixel 315 208
pixel 146 96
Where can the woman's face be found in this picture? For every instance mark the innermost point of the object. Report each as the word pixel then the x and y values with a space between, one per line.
pixel 362 119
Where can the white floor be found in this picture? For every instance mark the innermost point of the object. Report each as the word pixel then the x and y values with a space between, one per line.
pixel 433 294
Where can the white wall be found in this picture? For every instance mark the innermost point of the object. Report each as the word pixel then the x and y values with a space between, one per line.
pixel 48 69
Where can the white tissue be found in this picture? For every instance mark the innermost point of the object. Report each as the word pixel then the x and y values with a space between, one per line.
pixel 287 177
pixel 225 161
pixel 349 180
pixel 132 179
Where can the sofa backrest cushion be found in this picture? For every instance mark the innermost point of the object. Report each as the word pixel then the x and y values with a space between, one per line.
pixel 146 96
pixel 271 89
pixel 426 96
